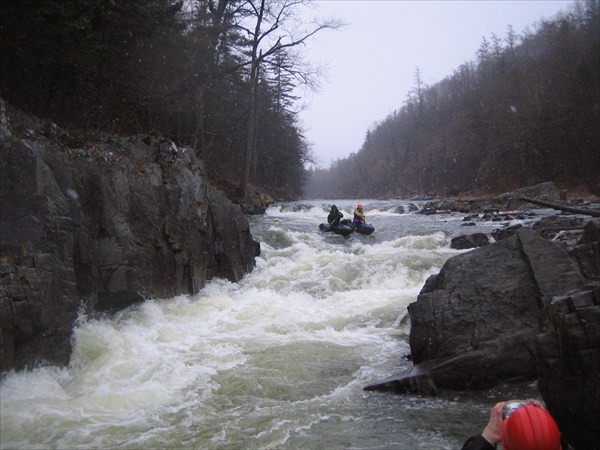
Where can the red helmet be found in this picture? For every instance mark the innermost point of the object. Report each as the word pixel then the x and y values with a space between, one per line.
pixel 530 427
pixel 359 206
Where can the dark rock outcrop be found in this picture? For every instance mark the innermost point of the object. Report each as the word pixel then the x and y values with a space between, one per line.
pixel 474 324
pixel 466 241
pixel 522 308
pixel 101 223
pixel 492 206
pixel 565 229
pixel 544 191
pixel 568 360
pixel 587 251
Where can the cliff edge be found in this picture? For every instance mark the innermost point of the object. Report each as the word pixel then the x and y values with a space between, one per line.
pixel 101 222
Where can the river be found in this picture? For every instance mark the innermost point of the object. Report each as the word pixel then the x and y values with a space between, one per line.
pixel 277 361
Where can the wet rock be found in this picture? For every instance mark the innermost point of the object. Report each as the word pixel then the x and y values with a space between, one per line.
pixel 568 358
pixel 428 211
pixel 406 209
pixel 591 232
pixel 101 224
pixel 553 226
pixel 544 191
pixel 416 380
pixel 522 308
pixel 412 208
pixel 484 309
pixel 506 232
pixel 492 208
pixel 485 297
pixel 469 241
pixel 587 251
pixel 453 205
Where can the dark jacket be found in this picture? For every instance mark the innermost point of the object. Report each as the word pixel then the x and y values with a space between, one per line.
pixel 334 216
pixel 477 443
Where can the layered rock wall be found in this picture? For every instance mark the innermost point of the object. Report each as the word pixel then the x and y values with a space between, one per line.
pixel 101 223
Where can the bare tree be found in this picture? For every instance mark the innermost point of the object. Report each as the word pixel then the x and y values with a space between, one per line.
pixel 275 32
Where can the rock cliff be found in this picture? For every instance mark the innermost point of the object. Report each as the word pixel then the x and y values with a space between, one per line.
pixel 568 360
pixel 100 222
pixel 521 308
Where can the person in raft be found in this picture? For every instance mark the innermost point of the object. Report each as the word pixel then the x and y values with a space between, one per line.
pixel 519 425
pixel 333 219
pixel 359 216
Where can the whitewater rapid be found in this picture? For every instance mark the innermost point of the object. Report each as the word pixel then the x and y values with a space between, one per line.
pixel 278 360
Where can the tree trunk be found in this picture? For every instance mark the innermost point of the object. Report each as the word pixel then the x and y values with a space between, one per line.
pixel 584 211
pixel 254 69
pixel 250 139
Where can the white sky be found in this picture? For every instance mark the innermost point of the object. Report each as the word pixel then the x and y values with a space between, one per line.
pixel 372 61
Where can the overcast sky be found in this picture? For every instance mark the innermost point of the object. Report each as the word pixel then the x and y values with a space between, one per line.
pixel 372 61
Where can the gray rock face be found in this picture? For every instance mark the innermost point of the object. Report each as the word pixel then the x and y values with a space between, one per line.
pixel 587 251
pixel 521 308
pixel 568 357
pixel 102 226
pixel 486 297
pixel 469 241
pixel 543 191
pixel 474 324
pixel 492 206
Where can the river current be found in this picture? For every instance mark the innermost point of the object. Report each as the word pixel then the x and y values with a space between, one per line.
pixel 276 361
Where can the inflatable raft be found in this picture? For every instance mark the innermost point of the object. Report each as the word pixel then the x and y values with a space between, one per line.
pixel 344 230
pixel 362 228
pixel 347 227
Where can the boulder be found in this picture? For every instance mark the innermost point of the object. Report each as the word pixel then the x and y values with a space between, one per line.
pixel 520 308
pixel 466 241
pixel 546 191
pixel 474 324
pixel 568 360
pixel 505 232
pixel 492 206
pixel 587 251
pixel 100 223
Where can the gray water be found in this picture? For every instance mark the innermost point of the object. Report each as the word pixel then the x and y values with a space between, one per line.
pixel 277 361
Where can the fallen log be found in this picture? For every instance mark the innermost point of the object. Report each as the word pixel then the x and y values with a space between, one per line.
pixel 569 209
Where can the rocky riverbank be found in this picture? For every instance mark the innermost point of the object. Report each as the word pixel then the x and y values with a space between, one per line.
pixel 96 223
pixel 523 305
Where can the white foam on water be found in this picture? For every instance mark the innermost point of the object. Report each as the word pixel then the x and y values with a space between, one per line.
pixel 258 364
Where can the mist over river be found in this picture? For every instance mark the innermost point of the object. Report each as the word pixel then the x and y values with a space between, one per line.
pixel 277 361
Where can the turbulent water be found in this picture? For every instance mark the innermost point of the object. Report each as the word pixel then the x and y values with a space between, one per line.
pixel 277 361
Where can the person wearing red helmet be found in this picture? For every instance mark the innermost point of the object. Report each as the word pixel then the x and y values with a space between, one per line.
pixel 530 427
pixel 519 425
pixel 359 216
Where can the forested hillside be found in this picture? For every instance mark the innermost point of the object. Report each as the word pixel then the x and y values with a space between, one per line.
pixel 527 110
pixel 216 75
